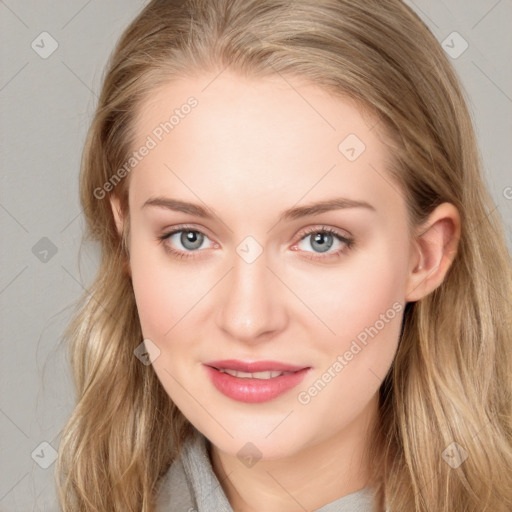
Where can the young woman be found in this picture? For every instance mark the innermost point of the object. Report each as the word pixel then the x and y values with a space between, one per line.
pixel 304 298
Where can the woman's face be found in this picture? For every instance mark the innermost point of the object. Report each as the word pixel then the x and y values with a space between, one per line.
pixel 252 276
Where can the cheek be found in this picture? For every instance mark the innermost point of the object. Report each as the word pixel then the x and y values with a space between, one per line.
pixel 163 295
pixel 353 296
pixel 170 295
pixel 362 303
pixel 365 311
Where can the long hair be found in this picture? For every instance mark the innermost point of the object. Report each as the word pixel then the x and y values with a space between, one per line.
pixel 444 440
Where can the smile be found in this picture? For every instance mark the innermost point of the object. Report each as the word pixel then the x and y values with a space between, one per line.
pixel 256 375
pixel 267 380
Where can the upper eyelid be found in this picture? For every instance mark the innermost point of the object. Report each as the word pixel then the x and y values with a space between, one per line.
pixel 334 231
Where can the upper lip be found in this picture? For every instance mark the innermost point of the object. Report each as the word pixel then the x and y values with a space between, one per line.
pixel 255 366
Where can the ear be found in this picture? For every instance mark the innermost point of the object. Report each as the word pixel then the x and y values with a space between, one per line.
pixel 117 212
pixel 436 244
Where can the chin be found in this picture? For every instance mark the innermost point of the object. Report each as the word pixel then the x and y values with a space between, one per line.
pixel 261 441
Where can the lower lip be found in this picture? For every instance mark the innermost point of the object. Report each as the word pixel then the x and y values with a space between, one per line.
pixel 254 390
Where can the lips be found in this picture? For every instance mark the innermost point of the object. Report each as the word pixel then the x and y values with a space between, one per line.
pixel 254 382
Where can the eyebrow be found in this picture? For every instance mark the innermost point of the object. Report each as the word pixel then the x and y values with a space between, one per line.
pixel 294 213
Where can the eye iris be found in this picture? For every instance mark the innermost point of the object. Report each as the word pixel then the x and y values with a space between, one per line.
pixel 192 237
pixel 320 239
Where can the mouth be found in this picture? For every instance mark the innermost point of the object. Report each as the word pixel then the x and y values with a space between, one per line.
pixel 254 382
pixel 255 366
pixel 270 374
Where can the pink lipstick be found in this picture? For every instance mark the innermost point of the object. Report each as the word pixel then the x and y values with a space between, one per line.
pixel 254 382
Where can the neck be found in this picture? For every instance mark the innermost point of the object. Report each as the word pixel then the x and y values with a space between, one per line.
pixel 305 480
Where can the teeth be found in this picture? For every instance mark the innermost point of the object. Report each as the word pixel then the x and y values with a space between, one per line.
pixel 256 375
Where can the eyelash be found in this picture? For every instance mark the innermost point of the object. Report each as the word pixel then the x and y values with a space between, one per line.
pixel 348 242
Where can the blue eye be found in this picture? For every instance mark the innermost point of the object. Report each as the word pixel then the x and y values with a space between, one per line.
pixel 325 238
pixel 190 239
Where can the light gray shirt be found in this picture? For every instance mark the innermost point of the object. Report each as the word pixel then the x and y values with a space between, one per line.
pixel 191 485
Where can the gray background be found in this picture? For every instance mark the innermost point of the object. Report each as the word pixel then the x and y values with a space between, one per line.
pixel 46 106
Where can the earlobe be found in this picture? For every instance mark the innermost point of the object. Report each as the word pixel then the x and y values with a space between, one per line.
pixel 436 247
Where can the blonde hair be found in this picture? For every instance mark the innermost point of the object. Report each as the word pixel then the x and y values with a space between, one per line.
pixel 451 379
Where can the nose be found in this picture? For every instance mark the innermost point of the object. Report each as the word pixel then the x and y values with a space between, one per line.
pixel 251 305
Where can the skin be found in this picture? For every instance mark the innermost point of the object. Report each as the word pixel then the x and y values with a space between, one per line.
pixel 248 151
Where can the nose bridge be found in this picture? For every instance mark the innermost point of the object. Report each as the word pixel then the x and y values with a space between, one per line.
pixel 251 304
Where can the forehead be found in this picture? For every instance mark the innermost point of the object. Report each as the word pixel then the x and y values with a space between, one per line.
pixel 263 107
pixel 266 138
